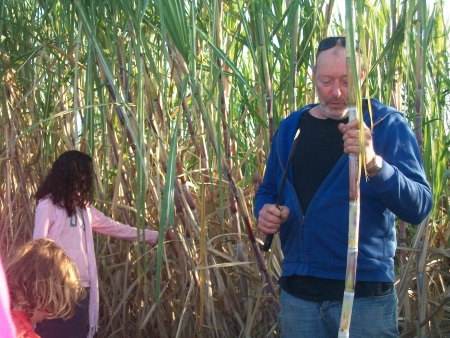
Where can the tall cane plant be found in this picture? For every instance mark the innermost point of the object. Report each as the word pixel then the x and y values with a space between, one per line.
pixel 354 112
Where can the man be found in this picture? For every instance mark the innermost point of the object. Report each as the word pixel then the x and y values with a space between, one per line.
pixel 314 206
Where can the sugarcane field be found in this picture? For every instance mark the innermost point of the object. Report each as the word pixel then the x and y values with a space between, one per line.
pixel 175 107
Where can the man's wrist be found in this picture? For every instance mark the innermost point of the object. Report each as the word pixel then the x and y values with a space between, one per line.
pixel 374 166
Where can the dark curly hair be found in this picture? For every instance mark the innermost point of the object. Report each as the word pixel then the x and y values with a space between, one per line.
pixel 70 182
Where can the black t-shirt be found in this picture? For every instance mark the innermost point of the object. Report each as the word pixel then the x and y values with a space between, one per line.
pixel 320 146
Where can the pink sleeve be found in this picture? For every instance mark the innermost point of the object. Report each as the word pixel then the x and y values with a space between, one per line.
pixel 107 226
pixel 7 329
pixel 45 213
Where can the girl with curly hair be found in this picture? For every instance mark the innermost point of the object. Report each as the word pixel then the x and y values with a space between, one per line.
pixel 65 213
pixel 43 283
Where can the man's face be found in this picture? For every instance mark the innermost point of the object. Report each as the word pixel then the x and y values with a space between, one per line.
pixel 330 78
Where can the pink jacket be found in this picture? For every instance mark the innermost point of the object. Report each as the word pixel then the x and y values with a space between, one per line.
pixel 7 329
pixel 74 235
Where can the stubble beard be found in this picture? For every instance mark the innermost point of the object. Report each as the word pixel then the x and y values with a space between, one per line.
pixel 339 114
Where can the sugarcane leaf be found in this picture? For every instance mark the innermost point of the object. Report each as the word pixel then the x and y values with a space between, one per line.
pixel 167 206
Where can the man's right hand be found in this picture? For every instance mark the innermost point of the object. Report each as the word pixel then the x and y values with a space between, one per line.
pixel 270 218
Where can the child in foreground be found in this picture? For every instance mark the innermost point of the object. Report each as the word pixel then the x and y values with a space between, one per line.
pixel 43 283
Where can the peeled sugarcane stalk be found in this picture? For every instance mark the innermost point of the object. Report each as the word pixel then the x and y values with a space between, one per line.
pixel 354 175
pixel 352 249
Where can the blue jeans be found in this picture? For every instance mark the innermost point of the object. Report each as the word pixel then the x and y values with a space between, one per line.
pixel 371 317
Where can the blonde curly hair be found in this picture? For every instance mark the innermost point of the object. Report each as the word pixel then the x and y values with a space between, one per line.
pixel 42 277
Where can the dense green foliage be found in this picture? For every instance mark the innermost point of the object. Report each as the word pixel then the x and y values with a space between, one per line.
pixel 177 101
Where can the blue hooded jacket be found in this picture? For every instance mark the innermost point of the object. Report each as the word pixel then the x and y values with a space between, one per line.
pixel 315 244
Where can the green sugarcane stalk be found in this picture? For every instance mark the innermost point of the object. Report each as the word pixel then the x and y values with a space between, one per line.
pixel 354 176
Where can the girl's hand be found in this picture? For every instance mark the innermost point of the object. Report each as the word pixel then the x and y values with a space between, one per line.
pixel 151 236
